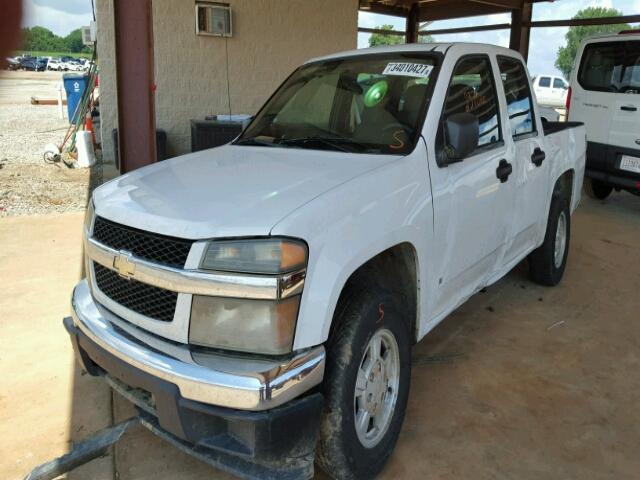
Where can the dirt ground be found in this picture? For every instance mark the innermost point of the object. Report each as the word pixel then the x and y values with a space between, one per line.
pixel 522 382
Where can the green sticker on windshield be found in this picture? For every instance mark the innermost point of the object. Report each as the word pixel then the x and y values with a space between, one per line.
pixel 376 93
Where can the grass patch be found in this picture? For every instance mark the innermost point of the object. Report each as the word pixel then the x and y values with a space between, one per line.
pixel 52 54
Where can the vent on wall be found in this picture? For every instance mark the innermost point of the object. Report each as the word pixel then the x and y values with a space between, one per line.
pixel 213 19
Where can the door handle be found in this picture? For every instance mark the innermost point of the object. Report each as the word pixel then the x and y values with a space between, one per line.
pixel 504 170
pixel 538 156
pixel 628 108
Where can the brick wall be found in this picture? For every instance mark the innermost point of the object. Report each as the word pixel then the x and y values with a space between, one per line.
pixel 270 38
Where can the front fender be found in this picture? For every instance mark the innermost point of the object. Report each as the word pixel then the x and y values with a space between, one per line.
pixel 352 223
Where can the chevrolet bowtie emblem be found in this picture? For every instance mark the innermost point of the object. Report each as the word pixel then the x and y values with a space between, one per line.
pixel 123 265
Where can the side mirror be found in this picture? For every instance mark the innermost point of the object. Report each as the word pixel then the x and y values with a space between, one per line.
pixel 462 134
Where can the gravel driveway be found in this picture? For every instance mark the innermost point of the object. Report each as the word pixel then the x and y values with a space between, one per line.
pixel 27 184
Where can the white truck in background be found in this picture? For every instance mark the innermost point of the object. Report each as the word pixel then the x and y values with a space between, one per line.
pixel 259 301
pixel 605 96
pixel 550 90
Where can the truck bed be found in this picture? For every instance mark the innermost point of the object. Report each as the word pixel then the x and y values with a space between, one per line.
pixel 554 127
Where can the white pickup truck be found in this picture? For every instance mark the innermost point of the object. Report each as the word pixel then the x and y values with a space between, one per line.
pixel 258 301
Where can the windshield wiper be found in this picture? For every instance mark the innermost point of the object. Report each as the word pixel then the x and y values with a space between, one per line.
pixel 254 141
pixel 337 143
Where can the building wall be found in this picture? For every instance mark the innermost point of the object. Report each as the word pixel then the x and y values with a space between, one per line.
pixel 107 70
pixel 270 38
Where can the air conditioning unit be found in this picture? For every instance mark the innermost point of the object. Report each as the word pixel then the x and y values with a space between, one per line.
pixel 213 19
pixel 89 34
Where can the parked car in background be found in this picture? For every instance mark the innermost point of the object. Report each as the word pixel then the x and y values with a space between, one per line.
pixel 551 91
pixel 34 64
pixel 56 64
pixel 74 65
pixel 548 114
pixel 605 96
pixel 261 299
pixel 13 64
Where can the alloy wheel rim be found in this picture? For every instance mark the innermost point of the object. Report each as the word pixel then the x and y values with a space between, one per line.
pixel 561 240
pixel 376 389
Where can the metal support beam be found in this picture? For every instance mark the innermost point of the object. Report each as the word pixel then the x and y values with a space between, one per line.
pixel 521 29
pixel 134 71
pixel 477 28
pixel 579 22
pixel 432 11
pixel 413 24
pixel 381 32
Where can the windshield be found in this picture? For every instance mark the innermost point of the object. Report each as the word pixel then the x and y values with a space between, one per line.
pixel 367 104
pixel 611 67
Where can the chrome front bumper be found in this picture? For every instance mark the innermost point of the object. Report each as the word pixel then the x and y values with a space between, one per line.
pixel 228 381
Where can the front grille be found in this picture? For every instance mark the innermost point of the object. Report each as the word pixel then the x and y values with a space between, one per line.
pixel 150 246
pixel 147 300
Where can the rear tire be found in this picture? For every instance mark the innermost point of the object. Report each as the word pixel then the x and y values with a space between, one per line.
pixel 596 189
pixel 548 261
pixel 377 399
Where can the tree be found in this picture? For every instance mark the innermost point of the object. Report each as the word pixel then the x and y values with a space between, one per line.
pixel 575 35
pixel 73 41
pixel 426 39
pixel 41 39
pixel 384 38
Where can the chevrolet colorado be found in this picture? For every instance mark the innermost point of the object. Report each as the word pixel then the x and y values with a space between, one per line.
pixel 258 301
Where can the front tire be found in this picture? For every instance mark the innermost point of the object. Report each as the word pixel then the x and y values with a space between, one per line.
pixel 596 189
pixel 547 263
pixel 366 385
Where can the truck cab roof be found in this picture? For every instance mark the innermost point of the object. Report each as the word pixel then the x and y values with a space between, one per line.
pixel 442 48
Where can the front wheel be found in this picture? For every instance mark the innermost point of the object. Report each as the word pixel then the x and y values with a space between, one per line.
pixel 366 386
pixel 548 261
pixel 596 189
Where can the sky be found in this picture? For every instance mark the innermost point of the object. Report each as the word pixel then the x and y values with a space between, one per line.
pixel 543 44
pixel 59 16
pixel 63 16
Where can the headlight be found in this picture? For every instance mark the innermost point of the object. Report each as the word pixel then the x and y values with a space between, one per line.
pixel 269 255
pixel 88 217
pixel 256 326
pixel 249 325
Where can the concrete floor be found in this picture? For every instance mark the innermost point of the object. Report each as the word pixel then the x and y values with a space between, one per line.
pixel 522 382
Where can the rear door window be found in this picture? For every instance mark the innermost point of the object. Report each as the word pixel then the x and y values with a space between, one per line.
pixel 558 83
pixel 611 67
pixel 545 82
pixel 518 95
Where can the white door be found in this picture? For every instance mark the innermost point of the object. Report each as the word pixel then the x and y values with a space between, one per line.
pixel 543 90
pixel 531 165
pixel 472 206
pixel 558 92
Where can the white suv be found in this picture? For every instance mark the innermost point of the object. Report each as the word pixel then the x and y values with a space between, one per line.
pixel 605 96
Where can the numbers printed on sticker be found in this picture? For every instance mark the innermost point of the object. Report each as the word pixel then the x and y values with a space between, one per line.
pixel 418 70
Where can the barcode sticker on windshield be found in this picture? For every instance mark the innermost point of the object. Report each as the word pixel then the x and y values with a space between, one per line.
pixel 420 70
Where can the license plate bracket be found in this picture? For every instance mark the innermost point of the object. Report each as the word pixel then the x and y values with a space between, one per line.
pixel 630 164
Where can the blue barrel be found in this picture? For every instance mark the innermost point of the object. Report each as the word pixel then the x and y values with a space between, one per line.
pixel 74 85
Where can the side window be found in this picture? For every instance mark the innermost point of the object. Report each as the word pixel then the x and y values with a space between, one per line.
pixel 545 82
pixel 472 91
pixel 558 83
pixel 518 94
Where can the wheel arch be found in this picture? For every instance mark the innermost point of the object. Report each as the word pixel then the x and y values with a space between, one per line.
pixel 565 185
pixel 397 269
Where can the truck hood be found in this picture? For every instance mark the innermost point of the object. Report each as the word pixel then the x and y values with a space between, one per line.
pixel 227 191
